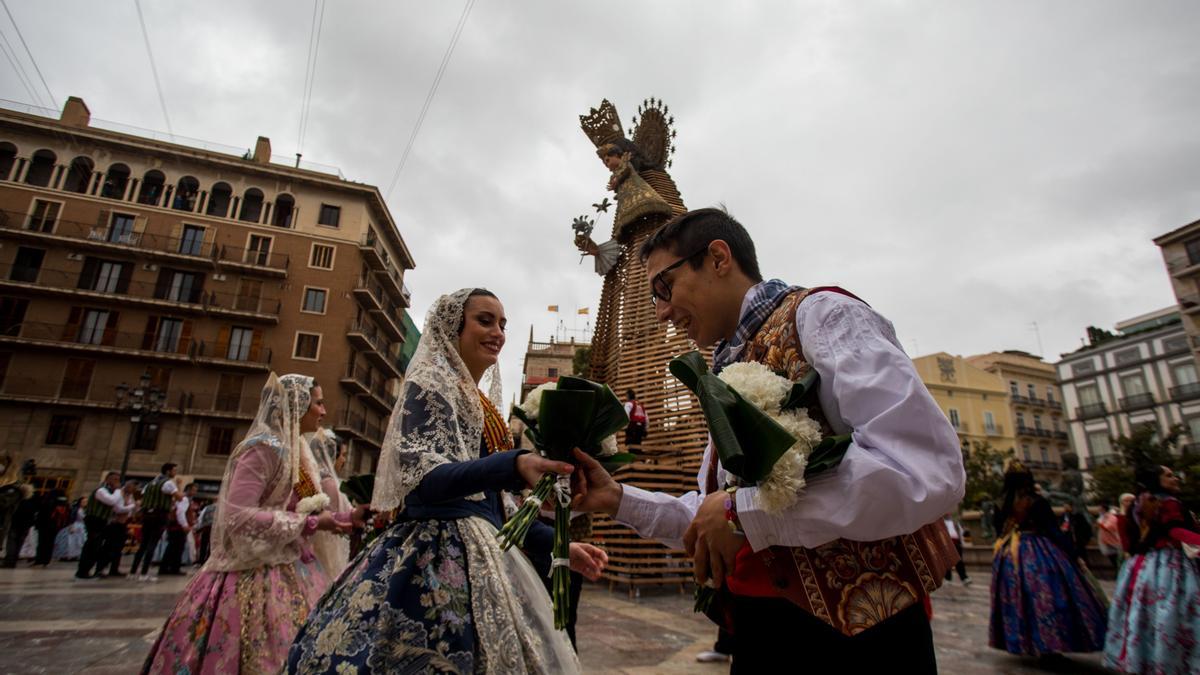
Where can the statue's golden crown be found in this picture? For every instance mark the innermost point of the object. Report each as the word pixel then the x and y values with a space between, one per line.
pixel 602 125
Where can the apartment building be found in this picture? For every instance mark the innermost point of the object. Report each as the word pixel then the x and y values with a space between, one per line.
pixel 1035 404
pixel 545 361
pixel 174 277
pixel 974 400
pixel 1143 373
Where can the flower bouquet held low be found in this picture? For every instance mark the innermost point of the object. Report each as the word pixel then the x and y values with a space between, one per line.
pixel 559 417
pixel 760 430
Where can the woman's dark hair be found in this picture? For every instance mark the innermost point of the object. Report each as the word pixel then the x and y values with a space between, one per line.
pixel 1147 477
pixel 476 292
pixel 1016 484
pixel 691 232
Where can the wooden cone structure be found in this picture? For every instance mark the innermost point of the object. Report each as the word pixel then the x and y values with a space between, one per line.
pixel 631 350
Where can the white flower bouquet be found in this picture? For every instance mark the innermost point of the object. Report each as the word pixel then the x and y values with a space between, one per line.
pixel 314 504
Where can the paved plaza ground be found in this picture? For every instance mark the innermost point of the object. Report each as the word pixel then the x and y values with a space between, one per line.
pixel 51 624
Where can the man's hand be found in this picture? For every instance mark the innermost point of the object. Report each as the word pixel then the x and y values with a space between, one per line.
pixel 588 560
pixel 359 516
pixel 710 541
pixel 595 489
pixel 532 466
pixel 327 523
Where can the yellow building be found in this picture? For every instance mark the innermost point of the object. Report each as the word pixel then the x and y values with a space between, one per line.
pixel 975 401
pixel 1037 410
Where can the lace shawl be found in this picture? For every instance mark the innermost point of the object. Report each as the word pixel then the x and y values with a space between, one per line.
pixel 438 418
pixel 250 532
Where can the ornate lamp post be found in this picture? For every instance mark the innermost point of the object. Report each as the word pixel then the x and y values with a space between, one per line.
pixel 142 403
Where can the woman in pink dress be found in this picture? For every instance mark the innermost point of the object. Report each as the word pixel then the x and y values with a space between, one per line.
pixel 242 610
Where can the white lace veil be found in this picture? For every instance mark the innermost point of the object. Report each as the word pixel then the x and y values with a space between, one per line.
pixel 438 417
pixel 237 541
pixel 331 549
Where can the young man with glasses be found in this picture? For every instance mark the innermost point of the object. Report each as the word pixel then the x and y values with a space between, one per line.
pixel 839 579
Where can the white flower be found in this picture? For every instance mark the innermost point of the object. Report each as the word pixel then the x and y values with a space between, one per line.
pixel 757 384
pixel 608 447
pixel 313 504
pixel 533 402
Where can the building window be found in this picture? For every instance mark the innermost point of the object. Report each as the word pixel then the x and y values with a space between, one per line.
pixel 229 392
pixel 989 421
pixel 307 347
pixel 77 378
pixel 64 429
pixel 1099 444
pixel 1045 454
pixel 1089 395
pixel 1037 422
pixel 220 440
pixel 321 257
pixel 106 276
pixel 145 435
pixel 94 326
pixel 44 216
pixel 259 250
pixel 1127 356
pixel 1185 373
pixel 249 295
pixel 1031 390
pixel 1025 453
pixel 552 372
pixel 314 300
pixel 121 230
pixel 179 286
pixel 953 413
pixel 1192 246
pixel 27 264
pixel 330 215
pixel 1050 393
pixel 169 331
pixel 1014 388
pixel 240 340
pixel 192 240
pixel 1177 343
pixel 1020 420
pixel 1133 385
pixel 1193 426
pixel 12 315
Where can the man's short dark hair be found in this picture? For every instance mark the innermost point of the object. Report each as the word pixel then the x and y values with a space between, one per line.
pixel 168 466
pixel 110 474
pixel 189 486
pixel 629 393
pixel 692 231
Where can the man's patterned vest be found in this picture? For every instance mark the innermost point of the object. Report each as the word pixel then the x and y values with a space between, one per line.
pixel 851 585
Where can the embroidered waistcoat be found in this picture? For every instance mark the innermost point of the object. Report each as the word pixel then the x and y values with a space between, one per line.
pixel 851 585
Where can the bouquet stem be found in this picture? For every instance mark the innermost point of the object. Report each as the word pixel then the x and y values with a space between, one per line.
pixel 560 571
pixel 704 598
pixel 517 527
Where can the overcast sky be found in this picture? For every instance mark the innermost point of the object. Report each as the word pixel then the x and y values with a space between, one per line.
pixel 968 168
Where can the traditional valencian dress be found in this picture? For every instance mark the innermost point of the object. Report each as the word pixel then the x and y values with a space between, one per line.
pixel 241 611
pixel 1041 601
pixel 1154 621
pixel 434 593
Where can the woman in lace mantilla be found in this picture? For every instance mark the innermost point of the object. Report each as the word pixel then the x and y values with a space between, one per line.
pixel 241 611
pixel 434 593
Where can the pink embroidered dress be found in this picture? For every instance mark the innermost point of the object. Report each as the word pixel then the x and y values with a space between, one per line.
pixel 242 610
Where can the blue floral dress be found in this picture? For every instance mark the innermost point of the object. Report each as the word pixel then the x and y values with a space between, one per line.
pixel 404 603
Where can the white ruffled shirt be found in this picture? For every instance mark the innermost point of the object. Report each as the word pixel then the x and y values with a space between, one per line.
pixel 903 469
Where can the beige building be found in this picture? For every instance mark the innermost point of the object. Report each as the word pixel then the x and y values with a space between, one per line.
pixel 974 400
pixel 123 256
pixel 545 361
pixel 1039 426
pixel 1181 254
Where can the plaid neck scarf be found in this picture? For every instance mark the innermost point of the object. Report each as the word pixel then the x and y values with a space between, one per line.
pixel 764 298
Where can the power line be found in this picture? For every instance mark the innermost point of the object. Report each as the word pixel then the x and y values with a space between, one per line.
pixel 32 60
pixel 310 71
pixel 153 69
pixel 437 80
pixel 19 70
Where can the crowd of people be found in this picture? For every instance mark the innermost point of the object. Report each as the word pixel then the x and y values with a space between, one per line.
pixel 848 569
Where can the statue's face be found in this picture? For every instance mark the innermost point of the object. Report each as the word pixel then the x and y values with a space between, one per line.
pixel 612 162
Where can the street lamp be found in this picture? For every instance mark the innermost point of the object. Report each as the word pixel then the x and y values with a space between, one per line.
pixel 142 403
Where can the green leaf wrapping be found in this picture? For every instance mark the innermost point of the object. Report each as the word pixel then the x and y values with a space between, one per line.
pixel 608 413
pixel 580 414
pixel 359 488
pixel 747 440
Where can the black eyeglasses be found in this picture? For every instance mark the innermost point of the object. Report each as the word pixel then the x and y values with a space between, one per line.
pixel 659 288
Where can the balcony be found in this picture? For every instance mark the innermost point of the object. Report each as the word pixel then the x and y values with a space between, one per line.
pixel 1091 410
pixel 1181 266
pixel 1185 392
pixel 1018 399
pixel 1058 434
pixel 253 261
pixel 141 293
pixel 357 426
pixel 52 391
pixel 1036 432
pixel 394 284
pixel 227 406
pixel 74 234
pixel 994 430
pixel 961 427
pixel 357 381
pixel 382 397
pixel 372 252
pixel 136 346
pixel 365 337
pixel 1190 302
pixel 1137 402
pixel 369 294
